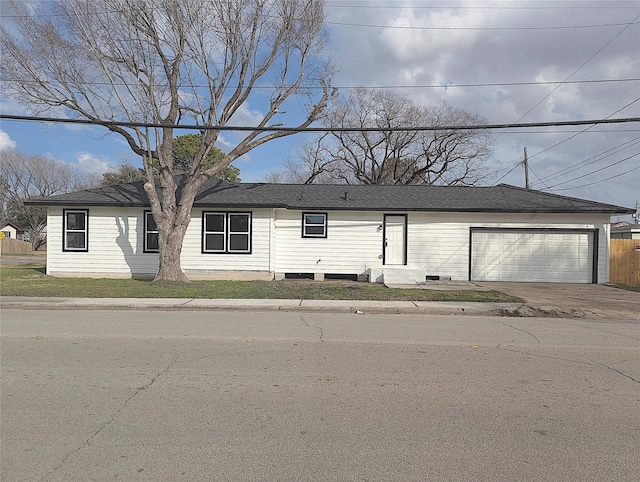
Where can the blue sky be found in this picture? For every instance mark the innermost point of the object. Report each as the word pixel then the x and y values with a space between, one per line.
pixel 434 53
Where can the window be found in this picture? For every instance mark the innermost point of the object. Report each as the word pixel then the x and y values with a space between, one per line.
pixel 75 230
pixel 314 225
pixel 7 234
pixel 150 233
pixel 226 233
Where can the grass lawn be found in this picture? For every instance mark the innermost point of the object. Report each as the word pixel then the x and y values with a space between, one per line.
pixel 28 279
pixel 627 287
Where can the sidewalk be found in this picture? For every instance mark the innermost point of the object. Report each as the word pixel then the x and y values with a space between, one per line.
pixel 333 306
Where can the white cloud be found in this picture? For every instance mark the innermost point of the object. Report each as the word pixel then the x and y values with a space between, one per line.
pixel 92 164
pixel 6 143
pixel 245 116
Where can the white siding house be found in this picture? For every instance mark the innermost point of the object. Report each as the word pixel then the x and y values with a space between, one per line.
pixel 377 233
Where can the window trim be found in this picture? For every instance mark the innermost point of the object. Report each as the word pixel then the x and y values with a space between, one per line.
pixel 324 225
pixel 66 231
pixel 146 232
pixel 227 232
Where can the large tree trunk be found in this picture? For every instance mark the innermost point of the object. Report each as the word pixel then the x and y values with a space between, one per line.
pixel 172 214
pixel 171 233
pixel 170 268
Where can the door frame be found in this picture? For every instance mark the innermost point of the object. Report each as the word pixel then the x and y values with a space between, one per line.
pixel 384 238
pixel 595 235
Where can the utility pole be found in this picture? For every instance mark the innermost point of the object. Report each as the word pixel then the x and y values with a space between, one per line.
pixel 636 215
pixel 526 169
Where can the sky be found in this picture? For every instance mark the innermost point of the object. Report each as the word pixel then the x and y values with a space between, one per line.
pixel 508 61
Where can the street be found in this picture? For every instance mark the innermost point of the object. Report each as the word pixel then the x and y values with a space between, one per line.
pixel 180 395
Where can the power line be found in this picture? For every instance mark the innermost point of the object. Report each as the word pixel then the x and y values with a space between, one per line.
pixel 280 128
pixel 398 5
pixel 567 79
pixel 593 172
pixel 579 68
pixel 577 134
pixel 601 180
pixel 409 27
pixel 381 87
pixel 593 159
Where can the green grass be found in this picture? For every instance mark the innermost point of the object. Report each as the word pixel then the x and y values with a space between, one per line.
pixel 30 280
pixel 627 287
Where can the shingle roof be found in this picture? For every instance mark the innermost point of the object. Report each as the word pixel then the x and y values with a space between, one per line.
pixel 626 227
pixel 220 194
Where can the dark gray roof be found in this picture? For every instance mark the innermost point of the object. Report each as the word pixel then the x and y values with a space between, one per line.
pixel 221 195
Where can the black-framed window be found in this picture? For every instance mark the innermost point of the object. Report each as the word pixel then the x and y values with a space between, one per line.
pixel 314 225
pixel 226 232
pixel 150 233
pixel 75 230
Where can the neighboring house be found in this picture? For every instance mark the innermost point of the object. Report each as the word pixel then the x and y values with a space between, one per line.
pixel 11 230
pixel 625 231
pixel 380 233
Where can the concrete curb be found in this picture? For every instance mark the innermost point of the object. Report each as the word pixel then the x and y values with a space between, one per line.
pixel 324 306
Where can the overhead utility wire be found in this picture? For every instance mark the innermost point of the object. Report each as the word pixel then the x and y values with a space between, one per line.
pixel 398 5
pixel 410 27
pixel 579 68
pixel 601 180
pixel 280 128
pixel 374 87
pixel 597 170
pixel 592 159
pixel 584 130
pixel 572 74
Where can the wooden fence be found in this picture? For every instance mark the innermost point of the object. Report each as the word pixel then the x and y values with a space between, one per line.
pixel 624 263
pixel 14 246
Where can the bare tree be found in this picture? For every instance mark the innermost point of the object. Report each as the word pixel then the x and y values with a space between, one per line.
pixel 24 177
pixel 446 157
pixel 168 62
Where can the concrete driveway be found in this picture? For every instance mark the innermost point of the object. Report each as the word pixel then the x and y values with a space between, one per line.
pixel 600 300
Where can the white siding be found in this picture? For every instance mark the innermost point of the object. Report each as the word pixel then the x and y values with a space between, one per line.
pixel 437 243
pixel 116 246
pixel 193 258
pixel 352 246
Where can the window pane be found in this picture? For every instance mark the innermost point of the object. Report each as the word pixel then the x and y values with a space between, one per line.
pixel 314 219
pixel 239 223
pixel 214 242
pixel 151 223
pixel 152 241
pixel 75 240
pixel 314 230
pixel 214 223
pixel 75 221
pixel 239 242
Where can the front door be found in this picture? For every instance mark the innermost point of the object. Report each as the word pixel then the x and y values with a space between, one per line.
pixel 395 231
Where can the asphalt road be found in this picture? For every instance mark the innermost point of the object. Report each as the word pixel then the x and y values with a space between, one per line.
pixel 165 396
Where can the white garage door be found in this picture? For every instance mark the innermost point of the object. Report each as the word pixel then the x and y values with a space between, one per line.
pixel 543 256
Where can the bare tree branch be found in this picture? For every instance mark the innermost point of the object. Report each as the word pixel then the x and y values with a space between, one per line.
pixel 166 62
pixel 446 157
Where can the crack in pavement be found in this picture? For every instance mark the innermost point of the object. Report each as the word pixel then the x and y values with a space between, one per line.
pixel 614 370
pixel 309 325
pixel 518 329
pixel 87 442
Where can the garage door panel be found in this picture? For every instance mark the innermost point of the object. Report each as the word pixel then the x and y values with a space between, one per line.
pixel 531 256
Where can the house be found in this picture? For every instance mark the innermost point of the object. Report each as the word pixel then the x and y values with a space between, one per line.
pixel 625 231
pixel 380 233
pixel 11 230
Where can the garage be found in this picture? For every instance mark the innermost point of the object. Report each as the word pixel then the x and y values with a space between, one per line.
pixel 533 255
